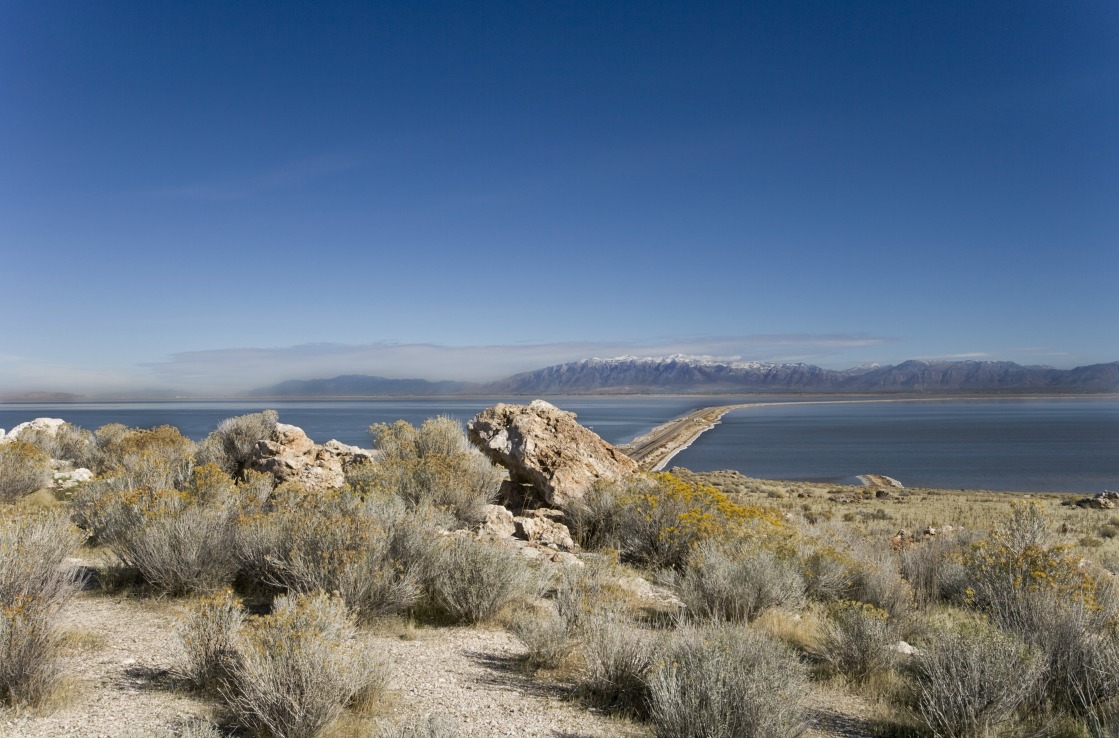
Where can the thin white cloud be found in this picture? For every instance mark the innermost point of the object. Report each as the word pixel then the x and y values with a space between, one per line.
pixel 284 177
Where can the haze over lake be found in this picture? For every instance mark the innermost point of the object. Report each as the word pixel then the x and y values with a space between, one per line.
pixel 1067 444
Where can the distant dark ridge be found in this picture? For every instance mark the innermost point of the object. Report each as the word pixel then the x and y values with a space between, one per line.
pixel 678 374
pixel 357 385
pixel 40 397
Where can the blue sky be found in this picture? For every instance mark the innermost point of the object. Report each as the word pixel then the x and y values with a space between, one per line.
pixel 212 196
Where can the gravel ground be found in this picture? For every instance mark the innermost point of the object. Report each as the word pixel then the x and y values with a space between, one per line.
pixel 118 655
pixel 474 677
pixel 120 650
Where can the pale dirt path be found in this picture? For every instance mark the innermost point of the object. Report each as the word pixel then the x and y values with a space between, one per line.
pixel 474 677
pixel 120 650
pixel 118 655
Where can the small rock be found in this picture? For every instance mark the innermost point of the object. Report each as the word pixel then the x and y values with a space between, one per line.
pixel 544 532
pixel 904 648
pixel 68 479
pixel 498 522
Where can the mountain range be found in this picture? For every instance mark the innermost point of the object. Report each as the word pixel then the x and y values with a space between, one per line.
pixel 683 374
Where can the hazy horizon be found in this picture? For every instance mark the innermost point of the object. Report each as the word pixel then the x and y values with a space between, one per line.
pixel 477 368
pixel 207 198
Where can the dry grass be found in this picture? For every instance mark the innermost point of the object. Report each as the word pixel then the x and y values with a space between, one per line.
pixel 918 509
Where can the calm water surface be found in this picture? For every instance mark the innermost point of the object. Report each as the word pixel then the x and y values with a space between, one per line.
pixel 617 419
pixel 1027 445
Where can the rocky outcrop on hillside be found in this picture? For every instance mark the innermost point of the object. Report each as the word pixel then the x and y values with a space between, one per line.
pixel 45 426
pixel 290 455
pixel 543 447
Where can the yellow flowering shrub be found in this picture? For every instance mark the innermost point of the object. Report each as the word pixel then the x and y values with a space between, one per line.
pixel 157 458
pixel 1015 569
pixel 656 520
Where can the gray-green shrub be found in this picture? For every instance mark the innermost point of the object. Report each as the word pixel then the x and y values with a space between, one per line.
pixel 374 552
pixel 596 521
pixel 474 580
pixel 935 570
pixel 841 566
pixel 969 680
pixel 1080 648
pixel 429 726
pixel 547 637
pixel 435 464
pixel 24 468
pixel 618 655
pixel 66 442
pixel 32 549
pixel 858 641
pixel 736 579
pixel 299 667
pixel 231 444
pixel 210 640
pixel 34 585
pixel 726 681
pixel 180 540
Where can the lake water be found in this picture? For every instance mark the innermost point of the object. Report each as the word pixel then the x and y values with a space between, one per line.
pixel 1025 445
pixel 617 419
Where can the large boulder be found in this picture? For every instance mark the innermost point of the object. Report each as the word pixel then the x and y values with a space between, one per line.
pixel 543 447
pixel 289 455
pixel 47 426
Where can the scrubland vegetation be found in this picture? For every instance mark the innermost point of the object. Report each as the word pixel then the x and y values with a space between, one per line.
pixel 699 605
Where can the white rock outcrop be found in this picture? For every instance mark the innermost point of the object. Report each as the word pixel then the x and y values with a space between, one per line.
pixel 290 455
pixel 543 447
pixel 65 479
pixel 49 426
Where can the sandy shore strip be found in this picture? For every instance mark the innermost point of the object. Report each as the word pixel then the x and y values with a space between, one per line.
pixel 656 448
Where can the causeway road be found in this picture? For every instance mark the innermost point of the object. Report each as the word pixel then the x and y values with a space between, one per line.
pixel 656 448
